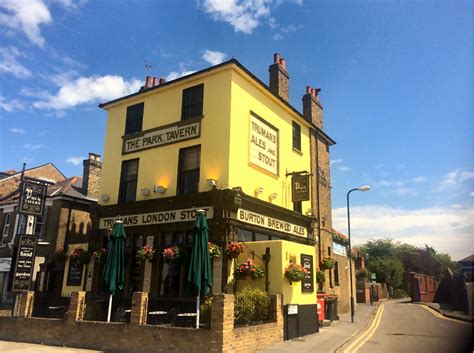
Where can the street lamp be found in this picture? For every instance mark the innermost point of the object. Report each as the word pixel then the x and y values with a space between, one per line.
pixel 360 188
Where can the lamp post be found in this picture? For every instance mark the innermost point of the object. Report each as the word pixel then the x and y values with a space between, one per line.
pixel 360 188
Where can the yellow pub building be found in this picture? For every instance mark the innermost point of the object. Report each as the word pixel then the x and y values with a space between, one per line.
pixel 223 141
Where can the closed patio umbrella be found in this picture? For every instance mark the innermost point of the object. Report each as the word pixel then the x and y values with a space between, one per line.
pixel 114 278
pixel 200 275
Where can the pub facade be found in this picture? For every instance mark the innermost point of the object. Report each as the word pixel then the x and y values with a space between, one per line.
pixel 222 141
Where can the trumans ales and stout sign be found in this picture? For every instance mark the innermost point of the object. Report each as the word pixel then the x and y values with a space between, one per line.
pixel 24 263
pixel 263 144
pixel 161 136
pixel 33 196
pixel 307 282
pixel 300 188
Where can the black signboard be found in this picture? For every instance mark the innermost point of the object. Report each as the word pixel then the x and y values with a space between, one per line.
pixel 300 186
pixel 75 272
pixel 307 282
pixel 33 196
pixel 24 263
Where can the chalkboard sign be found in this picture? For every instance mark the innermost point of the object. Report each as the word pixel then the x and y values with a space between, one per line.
pixel 307 283
pixel 74 274
pixel 25 262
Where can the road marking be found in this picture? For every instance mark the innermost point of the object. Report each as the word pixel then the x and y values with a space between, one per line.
pixel 373 326
pixel 440 316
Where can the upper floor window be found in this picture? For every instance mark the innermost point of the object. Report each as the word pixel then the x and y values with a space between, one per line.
pixel 6 227
pixel 192 102
pixel 296 136
pixel 188 170
pixel 128 181
pixel 39 226
pixel 134 120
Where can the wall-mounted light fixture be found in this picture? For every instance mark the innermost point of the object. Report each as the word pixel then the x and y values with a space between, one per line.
pixel 309 212
pixel 159 189
pixel 273 196
pixel 211 182
pixel 105 198
pixel 145 191
pixel 259 190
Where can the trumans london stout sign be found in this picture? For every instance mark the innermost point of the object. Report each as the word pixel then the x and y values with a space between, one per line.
pixel 270 223
pixel 24 263
pixel 263 144
pixel 160 136
pixel 33 196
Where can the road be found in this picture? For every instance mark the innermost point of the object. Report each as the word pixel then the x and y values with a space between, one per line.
pixel 400 326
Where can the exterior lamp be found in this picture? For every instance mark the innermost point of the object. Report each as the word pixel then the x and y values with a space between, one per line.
pixel 212 182
pixel 159 189
pixel 105 198
pixel 360 188
pixel 145 192
pixel 259 190
pixel 273 196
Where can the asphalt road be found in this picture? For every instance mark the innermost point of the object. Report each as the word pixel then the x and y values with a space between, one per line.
pixel 400 326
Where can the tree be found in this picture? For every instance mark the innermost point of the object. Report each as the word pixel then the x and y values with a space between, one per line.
pixel 378 248
pixel 389 270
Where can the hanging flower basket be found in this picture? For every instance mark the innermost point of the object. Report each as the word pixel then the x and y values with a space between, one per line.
pixel 295 273
pixel 248 269
pixel 214 250
pixel 327 263
pixel 233 250
pixel 146 253
pixel 83 256
pixel 320 277
pixel 100 254
pixel 171 254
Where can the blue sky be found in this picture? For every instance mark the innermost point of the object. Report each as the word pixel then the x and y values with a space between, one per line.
pixel 396 79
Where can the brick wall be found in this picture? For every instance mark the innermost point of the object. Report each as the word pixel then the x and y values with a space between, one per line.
pixel 136 337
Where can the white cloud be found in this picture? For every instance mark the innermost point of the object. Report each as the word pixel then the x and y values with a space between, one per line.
pixel 25 16
pixel 471 194
pixel 183 71
pixel 449 230
pixel 16 130
pixel 336 161
pixel 33 147
pixel 87 90
pixel 213 57
pixel 344 168
pixel 12 105
pixel 9 63
pixel 74 160
pixel 453 180
pixel 277 36
pixel 243 15
pixel 419 179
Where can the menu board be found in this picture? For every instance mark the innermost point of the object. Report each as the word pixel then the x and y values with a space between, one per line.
pixel 75 271
pixel 25 261
pixel 307 285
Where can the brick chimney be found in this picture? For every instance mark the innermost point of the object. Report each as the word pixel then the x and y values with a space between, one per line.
pixel 279 77
pixel 91 175
pixel 312 108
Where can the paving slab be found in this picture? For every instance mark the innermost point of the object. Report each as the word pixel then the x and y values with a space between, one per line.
pixel 6 346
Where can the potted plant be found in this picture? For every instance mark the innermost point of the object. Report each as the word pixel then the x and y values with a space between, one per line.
pixel 248 269
pixel 233 250
pixel 83 256
pixel 171 254
pixel 214 250
pixel 320 279
pixel 146 253
pixel 295 273
pixel 327 263
pixel 99 254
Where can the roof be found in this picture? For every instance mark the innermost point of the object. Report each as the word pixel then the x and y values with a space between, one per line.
pixel 470 258
pixel 212 68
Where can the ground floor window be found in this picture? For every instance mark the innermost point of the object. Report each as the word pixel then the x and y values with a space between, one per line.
pixel 244 235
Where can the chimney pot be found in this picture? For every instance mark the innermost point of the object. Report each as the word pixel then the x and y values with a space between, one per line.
pixel 276 58
pixel 148 82
pixel 91 156
pixel 155 81
pixel 308 89
pixel 162 80
pixel 283 63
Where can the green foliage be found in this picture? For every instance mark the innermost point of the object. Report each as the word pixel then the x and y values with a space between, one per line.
pixel 388 270
pixel 361 274
pixel 320 277
pixel 378 248
pixel 399 293
pixel 251 305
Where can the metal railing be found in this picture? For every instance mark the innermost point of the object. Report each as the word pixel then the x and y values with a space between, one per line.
pixel 177 312
pixel 97 308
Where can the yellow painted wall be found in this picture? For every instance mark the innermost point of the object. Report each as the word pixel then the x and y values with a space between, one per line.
pixel 247 97
pixel 281 251
pixel 159 166
pixel 67 290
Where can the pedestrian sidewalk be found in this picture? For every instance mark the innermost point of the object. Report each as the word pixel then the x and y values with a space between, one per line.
pixel 328 339
pixel 6 346
pixel 446 311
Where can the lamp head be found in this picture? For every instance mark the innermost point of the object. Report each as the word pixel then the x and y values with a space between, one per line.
pixel 364 188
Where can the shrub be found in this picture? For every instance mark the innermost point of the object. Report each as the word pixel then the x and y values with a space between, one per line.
pixel 361 274
pixel 251 305
pixel 399 293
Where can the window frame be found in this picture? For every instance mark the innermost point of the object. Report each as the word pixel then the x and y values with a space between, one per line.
pixel 296 136
pixel 130 122
pixel 122 194
pixel 6 227
pixel 186 107
pixel 179 186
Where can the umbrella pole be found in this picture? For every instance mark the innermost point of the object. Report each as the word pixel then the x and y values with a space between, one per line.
pixel 198 299
pixel 109 312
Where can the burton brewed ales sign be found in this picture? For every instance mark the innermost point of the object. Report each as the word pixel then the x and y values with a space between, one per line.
pixel 33 196
pixel 24 263
pixel 300 188
pixel 263 144
pixel 161 136
pixel 307 283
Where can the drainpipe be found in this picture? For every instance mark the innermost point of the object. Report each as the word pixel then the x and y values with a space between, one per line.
pixel 319 197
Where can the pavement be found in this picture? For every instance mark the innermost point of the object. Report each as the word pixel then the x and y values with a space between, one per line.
pixel 329 339
pixel 446 311
pixel 6 346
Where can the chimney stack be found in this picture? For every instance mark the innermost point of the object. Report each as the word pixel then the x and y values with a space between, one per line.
pixel 91 175
pixel 162 80
pixel 155 81
pixel 147 82
pixel 312 108
pixel 279 77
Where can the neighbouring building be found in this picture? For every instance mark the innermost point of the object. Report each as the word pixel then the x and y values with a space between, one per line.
pixel 65 225
pixel 223 141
